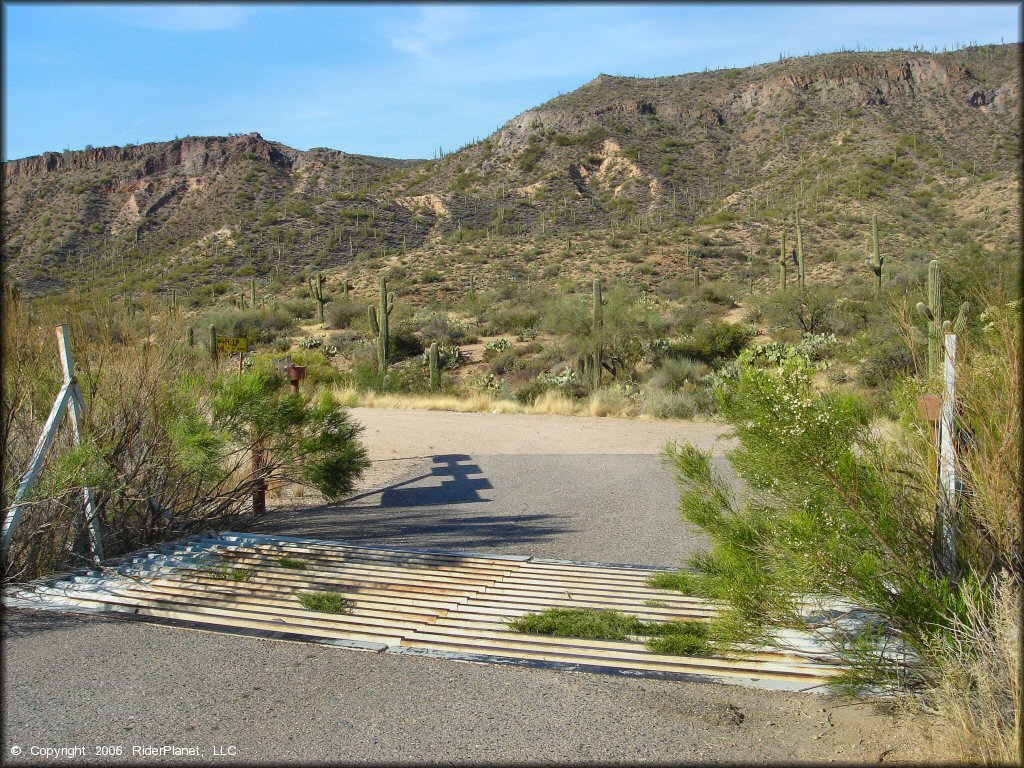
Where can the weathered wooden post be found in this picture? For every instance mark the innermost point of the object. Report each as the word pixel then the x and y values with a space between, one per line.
pixel 69 399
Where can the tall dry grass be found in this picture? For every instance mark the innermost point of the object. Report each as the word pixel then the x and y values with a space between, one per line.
pixel 980 664
pixel 551 403
pixel 137 379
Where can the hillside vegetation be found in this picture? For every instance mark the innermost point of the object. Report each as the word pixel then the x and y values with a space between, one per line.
pixel 629 178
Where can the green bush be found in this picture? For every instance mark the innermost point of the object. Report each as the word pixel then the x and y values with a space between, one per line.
pixel 675 372
pixel 712 342
pixel 345 313
pixel 838 510
pixel 257 326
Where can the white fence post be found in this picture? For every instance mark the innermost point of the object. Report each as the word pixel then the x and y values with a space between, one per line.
pixel 70 398
pixel 947 457
pixel 75 413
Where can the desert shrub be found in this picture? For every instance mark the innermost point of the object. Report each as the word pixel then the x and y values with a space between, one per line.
pixel 404 341
pixel 668 405
pixel 300 307
pixel 717 292
pixel 345 313
pixel 408 377
pixel 511 319
pixel 810 311
pixel 167 439
pixel 258 326
pixel 689 316
pixel 885 360
pixel 712 342
pixel 674 372
pixel 857 521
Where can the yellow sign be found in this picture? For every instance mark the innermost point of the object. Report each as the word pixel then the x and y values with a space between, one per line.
pixel 231 344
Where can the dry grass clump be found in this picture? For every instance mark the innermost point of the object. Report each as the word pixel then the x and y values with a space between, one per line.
pixel 980 688
pixel 550 403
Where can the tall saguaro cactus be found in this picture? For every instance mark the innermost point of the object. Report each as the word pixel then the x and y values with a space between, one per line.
pixel 782 257
pixel 213 343
pixel 799 254
pixel 435 376
pixel 875 264
pixel 252 292
pixel 316 291
pixel 379 323
pixel 932 312
pixel 597 333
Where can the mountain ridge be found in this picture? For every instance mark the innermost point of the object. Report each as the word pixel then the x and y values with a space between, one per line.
pixel 740 144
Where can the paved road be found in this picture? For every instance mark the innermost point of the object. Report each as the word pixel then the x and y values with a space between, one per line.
pixel 607 508
pixel 85 681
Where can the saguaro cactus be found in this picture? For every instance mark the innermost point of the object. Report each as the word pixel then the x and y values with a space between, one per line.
pixel 932 312
pixel 597 332
pixel 782 257
pixel 252 292
pixel 189 336
pixel 696 278
pixel 379 323
pixel 875 265
pixel 213 343
pixel 316 291
pixel 435 376
pixel 799 253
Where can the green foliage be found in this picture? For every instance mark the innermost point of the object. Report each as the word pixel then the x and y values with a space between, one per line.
pixel 590 623
pixel 713 342
pixel 686 638
pixel 833 510
pixel 257 326
pixel 325 602
pixel 292 562
pixel 317 442
pixel 678 581
pixel 681 638
pixel 676 372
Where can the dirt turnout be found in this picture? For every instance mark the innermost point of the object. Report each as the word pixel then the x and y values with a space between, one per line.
pixel 398 440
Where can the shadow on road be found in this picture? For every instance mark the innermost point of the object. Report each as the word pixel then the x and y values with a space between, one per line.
pixel 439 508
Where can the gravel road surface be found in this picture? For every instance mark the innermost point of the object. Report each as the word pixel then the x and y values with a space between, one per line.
pixel 565 487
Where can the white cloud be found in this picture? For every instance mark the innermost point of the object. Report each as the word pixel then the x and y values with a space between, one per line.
pixel 179 18
pixel 433 28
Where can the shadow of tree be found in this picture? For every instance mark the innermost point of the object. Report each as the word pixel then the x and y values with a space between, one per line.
pixel 423 511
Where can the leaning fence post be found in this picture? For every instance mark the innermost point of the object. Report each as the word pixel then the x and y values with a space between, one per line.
pixel 70 398
pixel 75 411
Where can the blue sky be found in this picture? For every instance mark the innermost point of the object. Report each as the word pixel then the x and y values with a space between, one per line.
pixel 395 80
